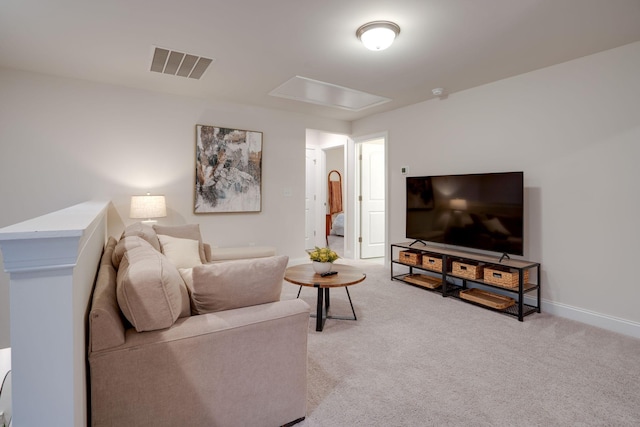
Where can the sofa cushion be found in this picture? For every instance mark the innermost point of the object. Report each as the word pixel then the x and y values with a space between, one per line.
pixel 150 291
pixel 186 231
pixel 142 230
pixel 226 254
pixel 234 284
pixel 105 321
pixel 183 253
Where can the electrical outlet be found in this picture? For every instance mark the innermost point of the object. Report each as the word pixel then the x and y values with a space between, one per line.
pixel 404 170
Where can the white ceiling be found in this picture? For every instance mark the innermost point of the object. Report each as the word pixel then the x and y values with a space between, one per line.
pixel 260 44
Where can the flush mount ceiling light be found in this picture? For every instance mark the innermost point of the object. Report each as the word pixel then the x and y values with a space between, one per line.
pixel 378 35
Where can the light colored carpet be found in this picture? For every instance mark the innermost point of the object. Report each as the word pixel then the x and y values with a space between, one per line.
pixel 414 358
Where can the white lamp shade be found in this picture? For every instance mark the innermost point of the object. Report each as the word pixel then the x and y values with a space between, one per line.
pixel 148 207
pixel 459 204
pixel 378 35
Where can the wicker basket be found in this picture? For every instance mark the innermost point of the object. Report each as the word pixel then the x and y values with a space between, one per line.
pixel 489 299
pixel 466 270
pixel 423 280
pixel 410 257
pixel 506 278
pixel 432 263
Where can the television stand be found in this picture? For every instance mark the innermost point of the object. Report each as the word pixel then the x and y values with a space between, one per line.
pixel 417 241
pixel 504 255
pixel 474 278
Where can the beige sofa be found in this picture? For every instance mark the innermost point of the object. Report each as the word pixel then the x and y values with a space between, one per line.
pixel 155 361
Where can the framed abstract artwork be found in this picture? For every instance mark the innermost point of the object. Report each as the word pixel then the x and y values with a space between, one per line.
pixel 228 170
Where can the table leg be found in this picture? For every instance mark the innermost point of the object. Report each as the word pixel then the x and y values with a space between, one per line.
pixel 346 288
pixel 320 318
pixel 322 307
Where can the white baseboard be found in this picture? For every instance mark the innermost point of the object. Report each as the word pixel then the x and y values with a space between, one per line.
pixel 610 323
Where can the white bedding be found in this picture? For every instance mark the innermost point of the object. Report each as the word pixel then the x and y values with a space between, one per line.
pixel 337 227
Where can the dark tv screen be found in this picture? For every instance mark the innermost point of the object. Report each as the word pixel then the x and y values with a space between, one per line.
pixel 478 211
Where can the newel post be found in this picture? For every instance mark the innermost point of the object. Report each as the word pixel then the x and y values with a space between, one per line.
pixel 52 262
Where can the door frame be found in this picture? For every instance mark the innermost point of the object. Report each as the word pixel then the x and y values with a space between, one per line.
pixel 312 211
pixel 355 191
pixel 321 141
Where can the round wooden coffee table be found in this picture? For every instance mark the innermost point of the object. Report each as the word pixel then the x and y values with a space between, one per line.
pixel 304 275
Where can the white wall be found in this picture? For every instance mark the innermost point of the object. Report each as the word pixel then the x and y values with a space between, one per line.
pixel 574 129
pixel 65 141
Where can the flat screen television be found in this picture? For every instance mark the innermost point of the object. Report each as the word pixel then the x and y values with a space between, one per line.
pixel 478 211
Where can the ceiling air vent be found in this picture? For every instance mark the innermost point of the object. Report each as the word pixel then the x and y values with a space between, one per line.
pixel 178 63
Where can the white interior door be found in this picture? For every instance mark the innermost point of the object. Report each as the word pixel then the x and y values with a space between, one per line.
pixel 372 206
pixel 310 199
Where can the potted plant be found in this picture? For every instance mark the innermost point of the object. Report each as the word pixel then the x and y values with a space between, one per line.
pixel 322 259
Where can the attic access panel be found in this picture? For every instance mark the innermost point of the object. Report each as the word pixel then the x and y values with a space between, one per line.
pixel 327 94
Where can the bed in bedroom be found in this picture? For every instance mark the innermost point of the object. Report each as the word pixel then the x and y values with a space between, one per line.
pixel 337 227
pixel 335 217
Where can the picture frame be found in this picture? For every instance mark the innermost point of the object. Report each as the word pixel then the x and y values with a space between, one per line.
pixel 228 172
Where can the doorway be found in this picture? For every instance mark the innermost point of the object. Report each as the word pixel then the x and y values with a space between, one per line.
pixel 336 213
pixel 371 198
pixel 364 223
pixel 310 199
pixel 325 152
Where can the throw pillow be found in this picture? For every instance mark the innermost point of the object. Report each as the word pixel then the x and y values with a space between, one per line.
pixel 142 230
pixel 234 284
pixel 183 253
pixel 126 243
pixel 187 231
pixel 149 289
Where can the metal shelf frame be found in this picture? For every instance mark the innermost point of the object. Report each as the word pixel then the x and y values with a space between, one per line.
pixel 449 289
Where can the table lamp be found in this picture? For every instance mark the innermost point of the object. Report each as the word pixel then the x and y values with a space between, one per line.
pixel 148 207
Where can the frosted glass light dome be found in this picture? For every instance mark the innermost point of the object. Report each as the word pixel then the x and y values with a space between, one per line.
pixel 378 35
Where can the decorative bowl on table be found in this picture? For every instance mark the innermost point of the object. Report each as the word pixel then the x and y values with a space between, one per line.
pixel 322 267
pixel 322 259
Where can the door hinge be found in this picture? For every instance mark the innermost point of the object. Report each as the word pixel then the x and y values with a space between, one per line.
pixel 360 198
pixel 359 239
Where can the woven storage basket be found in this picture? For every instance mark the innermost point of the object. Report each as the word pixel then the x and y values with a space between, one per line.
pixel 411 258
pixel 466 270
pixel 489 299
pixel 505 278
pixel 432 263
pixel 423 280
